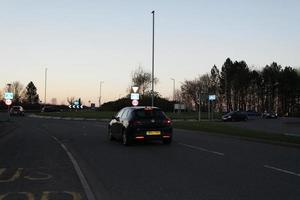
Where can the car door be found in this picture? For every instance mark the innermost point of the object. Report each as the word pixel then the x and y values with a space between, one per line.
pixel 115 124
pixel 122 122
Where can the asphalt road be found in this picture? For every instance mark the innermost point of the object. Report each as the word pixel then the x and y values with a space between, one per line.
pixel 37 159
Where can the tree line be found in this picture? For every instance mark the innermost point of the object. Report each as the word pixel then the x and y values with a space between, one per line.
pixel 23 95
pixel 237 87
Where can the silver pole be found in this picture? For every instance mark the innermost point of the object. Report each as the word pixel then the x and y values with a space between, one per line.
pixel 173 88
pixel 45 97
pixel 152 92
pixel 100 93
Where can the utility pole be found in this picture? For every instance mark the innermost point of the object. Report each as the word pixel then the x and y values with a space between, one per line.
pixel 100 93
pixel 152 92
pixel 199 110
pixel 45 97
pixel 173 88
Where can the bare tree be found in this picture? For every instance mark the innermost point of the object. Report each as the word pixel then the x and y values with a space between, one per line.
pixel 70 100
pixel 18 89
pixel 143 80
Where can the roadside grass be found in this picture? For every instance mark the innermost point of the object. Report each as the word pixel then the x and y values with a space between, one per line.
pixel 205 126
pixel 80 114
pixel 108 114
pixel 225 129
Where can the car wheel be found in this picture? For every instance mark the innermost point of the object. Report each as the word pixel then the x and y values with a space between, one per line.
pixel 125 139
pixel 167 141
pixel 109 135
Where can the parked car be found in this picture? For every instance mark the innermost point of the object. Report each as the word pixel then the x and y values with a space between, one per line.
pixel 269 115
pixel 235 116
pixel 140 124
pixel 253 113
pixel 17 110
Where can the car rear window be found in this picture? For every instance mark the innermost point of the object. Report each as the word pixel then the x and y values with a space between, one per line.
pixel 149 114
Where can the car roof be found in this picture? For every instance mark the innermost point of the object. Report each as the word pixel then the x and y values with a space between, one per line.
pixel 142 107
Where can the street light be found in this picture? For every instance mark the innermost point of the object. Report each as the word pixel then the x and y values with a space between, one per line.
pixel 152 92
pixel 100 93
pixel 45 87
pixel 173 88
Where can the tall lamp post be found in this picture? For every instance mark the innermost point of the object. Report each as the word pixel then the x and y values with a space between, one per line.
pixel 45 97
pixel 100 93
pixel 152 92
pixel 173 88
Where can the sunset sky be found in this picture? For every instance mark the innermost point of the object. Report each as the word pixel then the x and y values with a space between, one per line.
pixel 85 42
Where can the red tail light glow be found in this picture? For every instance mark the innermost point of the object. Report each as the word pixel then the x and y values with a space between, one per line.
pixel 167 122
pixel 139 137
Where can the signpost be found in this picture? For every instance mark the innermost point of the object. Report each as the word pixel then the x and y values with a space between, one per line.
pixel 135 96
pixel 135 102
pixel 8 96
pixel 8 102
pixel 210 98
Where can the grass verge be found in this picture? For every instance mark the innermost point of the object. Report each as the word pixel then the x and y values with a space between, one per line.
pixel 80 114
pixel 225 129
pixel 205 126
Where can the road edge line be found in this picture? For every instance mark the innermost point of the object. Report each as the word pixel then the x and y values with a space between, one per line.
pixel 87 189
pixel 281 170
pixel 201 149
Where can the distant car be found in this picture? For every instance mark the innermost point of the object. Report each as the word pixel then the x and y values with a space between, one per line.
pixel 140 124
pixel 235 116
pixel 253 113
pixel 17 110
pixel 50 109
pixel 269 115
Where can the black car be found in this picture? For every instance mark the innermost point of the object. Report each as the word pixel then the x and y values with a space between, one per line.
pixel 140 124
pixel 269 115
pixel 17 110
pixel 235 116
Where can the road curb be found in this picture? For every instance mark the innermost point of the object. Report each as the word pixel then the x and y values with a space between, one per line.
pixel 244 138
pixel 68 118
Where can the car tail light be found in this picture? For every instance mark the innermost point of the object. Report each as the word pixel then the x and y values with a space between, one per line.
pixel 167 122
pixel 166 136
pixel 139 137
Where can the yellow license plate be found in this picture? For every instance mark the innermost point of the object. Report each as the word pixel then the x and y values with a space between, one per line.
pixel 153 133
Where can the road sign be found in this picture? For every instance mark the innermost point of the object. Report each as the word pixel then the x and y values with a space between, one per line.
pixel 135 96
pixel 8 102
pixel 8 95
pixel 211 97
pixel 135 89
pixel 135 102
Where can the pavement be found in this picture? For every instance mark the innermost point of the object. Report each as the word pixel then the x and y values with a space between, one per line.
pixel 65 159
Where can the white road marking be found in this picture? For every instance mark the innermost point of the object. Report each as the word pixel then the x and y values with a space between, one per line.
pixel 86 187
pixel 282 170
pixel 201 149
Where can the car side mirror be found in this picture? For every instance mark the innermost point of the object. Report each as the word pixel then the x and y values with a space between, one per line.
pixel 116 118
